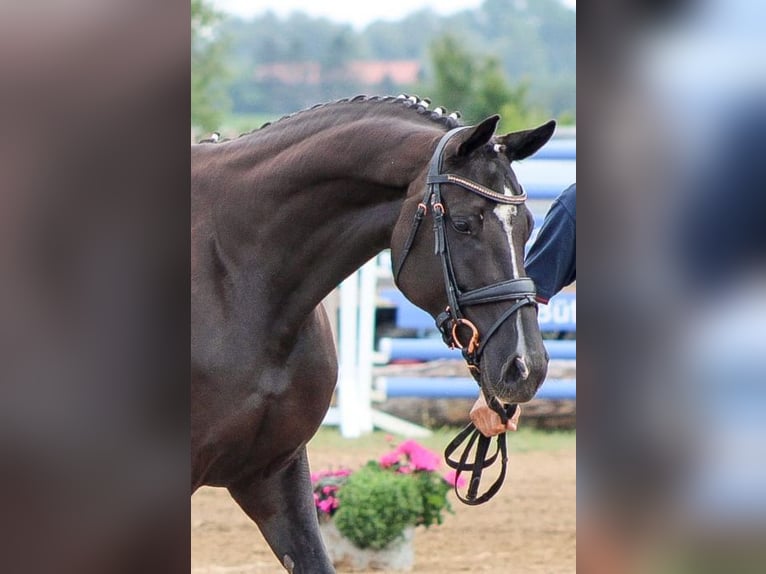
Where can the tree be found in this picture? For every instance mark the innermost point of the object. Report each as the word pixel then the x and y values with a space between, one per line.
pixel 476 86
pixel 209 98
pixel 453 70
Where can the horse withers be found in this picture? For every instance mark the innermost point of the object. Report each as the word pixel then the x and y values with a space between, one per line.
pixel 283 214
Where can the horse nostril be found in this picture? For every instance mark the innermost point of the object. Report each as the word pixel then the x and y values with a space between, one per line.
pixel 515 369
pixel 521 365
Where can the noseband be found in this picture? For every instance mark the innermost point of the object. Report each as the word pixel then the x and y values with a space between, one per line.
pixel 451 321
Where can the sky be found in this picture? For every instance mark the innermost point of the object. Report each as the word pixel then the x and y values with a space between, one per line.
pixel 358 13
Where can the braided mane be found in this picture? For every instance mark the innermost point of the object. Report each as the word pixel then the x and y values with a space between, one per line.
pixel 438 115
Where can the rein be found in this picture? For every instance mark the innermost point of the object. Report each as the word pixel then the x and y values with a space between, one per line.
pixel 520 291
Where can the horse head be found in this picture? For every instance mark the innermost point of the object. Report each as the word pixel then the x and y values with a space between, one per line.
pixel 468 273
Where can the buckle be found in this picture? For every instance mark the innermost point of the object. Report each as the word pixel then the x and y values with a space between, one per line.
pixel 473 342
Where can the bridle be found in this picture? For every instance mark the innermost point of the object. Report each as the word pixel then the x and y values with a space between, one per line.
pixel 519 291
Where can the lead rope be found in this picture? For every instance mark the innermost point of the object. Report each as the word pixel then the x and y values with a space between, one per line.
pixel 480 461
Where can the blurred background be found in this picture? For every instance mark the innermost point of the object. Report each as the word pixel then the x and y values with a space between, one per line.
pixel 671 281
pixel 254 62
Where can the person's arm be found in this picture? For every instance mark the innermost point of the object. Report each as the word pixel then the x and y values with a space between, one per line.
pixel 488 421
pixel 551 261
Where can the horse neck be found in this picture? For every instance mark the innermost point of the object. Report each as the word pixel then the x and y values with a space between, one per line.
pixel 297 223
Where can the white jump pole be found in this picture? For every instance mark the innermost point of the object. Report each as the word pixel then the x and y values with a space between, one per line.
pixel 348 399
pixel 368 282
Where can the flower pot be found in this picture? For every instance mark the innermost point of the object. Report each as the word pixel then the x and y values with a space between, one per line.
pixel 399 555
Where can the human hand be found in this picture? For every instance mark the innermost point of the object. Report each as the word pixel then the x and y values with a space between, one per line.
pixel 488 421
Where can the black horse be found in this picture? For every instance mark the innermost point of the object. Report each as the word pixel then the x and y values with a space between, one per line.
pixel 283 214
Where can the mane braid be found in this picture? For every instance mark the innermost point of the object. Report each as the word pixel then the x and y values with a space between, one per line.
pixel 402 101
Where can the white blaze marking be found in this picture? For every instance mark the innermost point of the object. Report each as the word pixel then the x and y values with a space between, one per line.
pixel 504 213
pixel 521 346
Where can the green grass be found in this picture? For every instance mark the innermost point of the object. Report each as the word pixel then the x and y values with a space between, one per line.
pixel 524 440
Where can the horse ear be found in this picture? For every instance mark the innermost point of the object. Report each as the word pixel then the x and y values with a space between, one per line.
pixel 519 145
pixel 472 139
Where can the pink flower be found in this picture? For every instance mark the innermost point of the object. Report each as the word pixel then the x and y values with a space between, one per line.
pixel 389 459
pixel 329 489
pixel 318 476
pixel 451 476
pixel 326 505
pixel 421 457
pixel 406 469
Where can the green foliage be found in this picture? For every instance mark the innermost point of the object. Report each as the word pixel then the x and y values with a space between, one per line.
pixel 518 115
pixel 376 506
pixel 433 491
pixel 454 71
pixel 209 99
pixel 373 506
pixel 477 87
pixel 567 119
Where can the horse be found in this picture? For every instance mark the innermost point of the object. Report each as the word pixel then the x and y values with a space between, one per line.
pixel 280 216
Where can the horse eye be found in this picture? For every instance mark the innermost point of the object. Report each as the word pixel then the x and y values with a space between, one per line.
pixel 461 225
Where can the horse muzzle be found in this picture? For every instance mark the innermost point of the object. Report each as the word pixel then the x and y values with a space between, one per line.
pixel 518 379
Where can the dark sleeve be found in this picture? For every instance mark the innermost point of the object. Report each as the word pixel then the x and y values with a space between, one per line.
pixel 552 259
